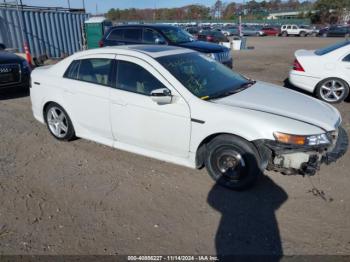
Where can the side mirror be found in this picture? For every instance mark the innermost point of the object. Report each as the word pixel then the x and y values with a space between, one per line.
pixel 159 41
pixel 161 96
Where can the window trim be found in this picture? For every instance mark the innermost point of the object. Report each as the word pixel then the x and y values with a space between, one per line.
pixel 346 56
pixel 65 75
pixel 115 82
pixel 114 29
pixel 110 74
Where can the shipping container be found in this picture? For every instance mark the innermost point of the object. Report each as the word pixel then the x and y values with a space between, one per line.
pixel 49 31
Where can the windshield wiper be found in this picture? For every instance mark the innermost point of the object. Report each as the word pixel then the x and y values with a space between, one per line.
pixel 246 85
pixel 233 91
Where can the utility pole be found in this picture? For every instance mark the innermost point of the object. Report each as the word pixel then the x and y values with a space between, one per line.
pixel 68 4
pixel 240 19
pixel 84 4
pixel 96 9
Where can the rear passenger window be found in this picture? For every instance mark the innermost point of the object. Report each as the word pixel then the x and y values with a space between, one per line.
pixel 133 35
pixel 347 58
pixel 116 35
pixel 134 78
pixel 96 70
pixel 72 71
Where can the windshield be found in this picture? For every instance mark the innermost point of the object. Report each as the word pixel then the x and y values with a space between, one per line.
pixel 331 48
pixel 177 35
pixel 203 76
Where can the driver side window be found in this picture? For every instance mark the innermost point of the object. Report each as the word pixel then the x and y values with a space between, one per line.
pixel 134 78
pixel 150 36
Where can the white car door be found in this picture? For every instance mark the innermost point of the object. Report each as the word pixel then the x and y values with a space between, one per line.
pixel 139 121
pixel 294 30
pixel 87 85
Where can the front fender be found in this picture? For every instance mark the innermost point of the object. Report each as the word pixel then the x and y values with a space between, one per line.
pixel 248 124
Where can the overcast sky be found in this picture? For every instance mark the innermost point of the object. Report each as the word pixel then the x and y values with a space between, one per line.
pixel 105 5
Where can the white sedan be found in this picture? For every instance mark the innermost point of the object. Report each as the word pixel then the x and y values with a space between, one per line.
pixel 324 72
pixel 181 106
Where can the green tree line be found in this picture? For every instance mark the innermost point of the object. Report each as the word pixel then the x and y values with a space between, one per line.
pixel 319 11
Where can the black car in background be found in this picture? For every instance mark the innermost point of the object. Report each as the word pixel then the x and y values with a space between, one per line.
pixel 193 31
pixel 164 35
pixel 14 71
pixel 212 36
pixel 337 31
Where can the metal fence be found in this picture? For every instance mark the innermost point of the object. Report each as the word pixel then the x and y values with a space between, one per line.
pixel 47 31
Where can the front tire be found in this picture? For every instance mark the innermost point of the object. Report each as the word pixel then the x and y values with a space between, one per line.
pixel 284 34
pixel 332 90
pixel 58 122
pixel 232 162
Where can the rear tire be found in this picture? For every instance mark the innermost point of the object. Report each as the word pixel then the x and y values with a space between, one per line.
pixel 284 34
pixel 232 162
pixel 58 122
pixel 302 34
pixel 332 90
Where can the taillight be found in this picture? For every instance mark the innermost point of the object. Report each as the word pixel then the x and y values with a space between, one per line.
pixel 100 43
pixel 297 66
pixel 210 38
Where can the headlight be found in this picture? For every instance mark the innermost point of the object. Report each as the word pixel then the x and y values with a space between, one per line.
pixel 25 64
pixel 211 55
pixel 312 140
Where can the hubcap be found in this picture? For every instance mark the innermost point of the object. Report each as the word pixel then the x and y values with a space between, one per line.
pixel 57 122
pixel 332 91
pixel 230 164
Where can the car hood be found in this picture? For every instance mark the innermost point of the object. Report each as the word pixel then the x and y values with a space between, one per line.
pixel 284 102
pixel 7 57
pixel 203 47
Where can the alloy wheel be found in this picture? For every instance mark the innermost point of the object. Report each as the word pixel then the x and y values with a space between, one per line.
pixel 332 90
pixel 57 122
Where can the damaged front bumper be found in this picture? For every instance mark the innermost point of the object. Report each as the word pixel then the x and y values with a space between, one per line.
pixel 305 160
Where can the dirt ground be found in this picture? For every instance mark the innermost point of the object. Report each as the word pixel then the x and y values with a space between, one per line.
pixel 85 198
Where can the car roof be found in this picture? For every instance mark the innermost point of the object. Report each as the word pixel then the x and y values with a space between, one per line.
pixel 155 26
pixel 154 51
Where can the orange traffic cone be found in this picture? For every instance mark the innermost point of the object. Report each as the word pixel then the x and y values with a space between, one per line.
pixel 28 55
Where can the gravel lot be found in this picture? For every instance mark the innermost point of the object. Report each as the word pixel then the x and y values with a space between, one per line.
pixel 85 198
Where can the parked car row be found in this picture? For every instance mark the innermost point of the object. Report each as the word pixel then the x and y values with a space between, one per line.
pixel 284 30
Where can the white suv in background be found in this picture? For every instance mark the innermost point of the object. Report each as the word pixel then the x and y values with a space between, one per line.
pixel 287 30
